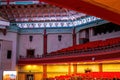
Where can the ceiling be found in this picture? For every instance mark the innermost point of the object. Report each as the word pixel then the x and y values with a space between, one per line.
pixel 105 9
pixel 37 12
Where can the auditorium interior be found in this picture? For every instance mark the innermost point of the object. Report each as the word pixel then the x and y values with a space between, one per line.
pixel 59 40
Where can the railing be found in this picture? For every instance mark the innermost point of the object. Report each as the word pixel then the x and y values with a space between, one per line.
pixel 86 51
pixel 77 52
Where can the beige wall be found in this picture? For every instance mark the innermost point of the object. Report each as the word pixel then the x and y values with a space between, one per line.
pixel 25 44
pixel 92 37
pixel 105 36
pixel 6 64
pixel 53 44
pixel 77 38
pixel 92 67
pixel 12 36
pixel 111 67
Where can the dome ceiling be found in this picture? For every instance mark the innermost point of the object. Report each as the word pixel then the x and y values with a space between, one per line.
pixel 37 12
pixel 23 12
pixel 105 9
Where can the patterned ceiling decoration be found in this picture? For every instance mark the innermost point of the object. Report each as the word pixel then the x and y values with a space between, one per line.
pixel 37 12
pixel 34 13
pixel 33 10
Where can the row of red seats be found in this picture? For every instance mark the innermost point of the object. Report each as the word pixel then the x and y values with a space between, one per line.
pixel 89 45
pixel 90 75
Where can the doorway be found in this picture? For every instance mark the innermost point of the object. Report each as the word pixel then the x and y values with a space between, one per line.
pixel 29 77
pixel 30 53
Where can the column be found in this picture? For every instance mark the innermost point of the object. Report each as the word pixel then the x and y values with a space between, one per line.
pixel 44 71
pixel 75 68
pixel 69 68
pixel 1 74
pixel 45 43
pixel 74 37
pixel 90 32
pixel 100 67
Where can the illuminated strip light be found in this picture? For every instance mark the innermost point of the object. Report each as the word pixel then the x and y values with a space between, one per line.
pixel 58 24
pixel 85 20
pixel 45 18
pixel 20 2
pixel 4 23
pixel 24 2
pixel 2 27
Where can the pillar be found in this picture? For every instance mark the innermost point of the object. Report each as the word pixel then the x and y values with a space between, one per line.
pixel 74 37
pixel 100 67
pixel 45 43
pixel 75 68
pixel 44 71
pixel 69 69
pixel 1 75
pixel 90 32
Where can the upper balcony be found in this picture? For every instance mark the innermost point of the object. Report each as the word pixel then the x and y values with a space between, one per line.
pixel 89 52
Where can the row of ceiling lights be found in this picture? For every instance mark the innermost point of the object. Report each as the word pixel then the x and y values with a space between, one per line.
pixel 57 24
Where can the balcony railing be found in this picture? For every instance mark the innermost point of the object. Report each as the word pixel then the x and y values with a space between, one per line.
pixel 91 51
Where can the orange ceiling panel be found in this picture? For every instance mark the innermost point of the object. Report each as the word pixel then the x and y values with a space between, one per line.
pixel 113 5
pixel 105 9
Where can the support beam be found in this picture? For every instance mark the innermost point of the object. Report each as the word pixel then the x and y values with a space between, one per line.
pixel 75 68
pixel 45 43
pixel 100 67
pixel 74 37
pixel 44 71
pixel 69 68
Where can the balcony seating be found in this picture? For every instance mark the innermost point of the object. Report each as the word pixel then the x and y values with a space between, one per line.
pixel 90 46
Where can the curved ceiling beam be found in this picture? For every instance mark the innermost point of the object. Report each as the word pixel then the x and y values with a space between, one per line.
pixel 85 6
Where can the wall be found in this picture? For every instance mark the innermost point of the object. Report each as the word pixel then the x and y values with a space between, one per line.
pixel 92 67
pixel 0 61
pixel 11 36
pixel 6 63
pixel 30 68
pixel 0 52
pixel 36 70
pixel 77 38
pixel 92 37
pixel 25 44
pixel 56 70
pixel 82 34
pixel 105 36
pixel 1 74
pixel 111 67
pixel 53 44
